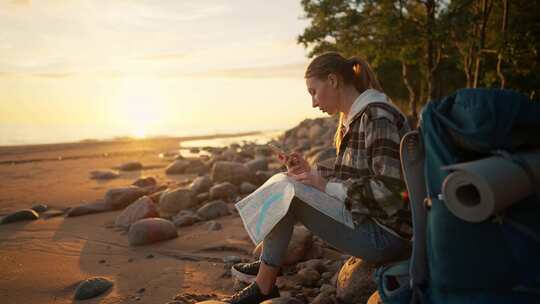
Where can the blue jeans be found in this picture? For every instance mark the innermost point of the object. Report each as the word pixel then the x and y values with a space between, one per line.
pixel 367 240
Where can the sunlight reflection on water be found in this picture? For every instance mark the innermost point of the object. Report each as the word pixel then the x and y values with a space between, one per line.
pixel 261 138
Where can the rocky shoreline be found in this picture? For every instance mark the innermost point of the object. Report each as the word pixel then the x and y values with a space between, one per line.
pixel 154 211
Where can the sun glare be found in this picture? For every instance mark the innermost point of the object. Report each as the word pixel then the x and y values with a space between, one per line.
pixel 140 105
pixel 139 134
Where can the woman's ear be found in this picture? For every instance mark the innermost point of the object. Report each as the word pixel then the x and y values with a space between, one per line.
pixel 333 79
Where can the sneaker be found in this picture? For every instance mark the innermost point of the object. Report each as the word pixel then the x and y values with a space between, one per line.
pixel 252 295
pixel 247 272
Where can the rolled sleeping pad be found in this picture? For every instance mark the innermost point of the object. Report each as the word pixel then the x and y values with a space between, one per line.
pixel 476 190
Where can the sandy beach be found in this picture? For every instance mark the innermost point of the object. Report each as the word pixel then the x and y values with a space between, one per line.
pixel 43 261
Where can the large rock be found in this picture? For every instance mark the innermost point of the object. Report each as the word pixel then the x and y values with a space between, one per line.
pixel 324 298
pixel 172 201
pixel 225 191
pixel 89 208
pixel 233 172
pixel 257 164
pixel 144 207
pixel 185 218
pixel 201 184
pixel 262 176
pixel 299 245
pixel 328 289
pixel 309 276
pixel 262 151
pixel 303 145
pixel 213 210
pixel 21 215
pixel 92 287
pixel 156 195
pixel 198 170
pixel 229 153
pixel 193 165
pixel 120 198
pixel 151 230
pixel 131 166
pixel 315 131
pixel 247 188
pixel 302 132
pixel 203 197
pixel 315 264
pixel 177 167
pixel 354 282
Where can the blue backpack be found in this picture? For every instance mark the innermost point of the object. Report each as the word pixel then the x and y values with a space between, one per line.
pixel 456 261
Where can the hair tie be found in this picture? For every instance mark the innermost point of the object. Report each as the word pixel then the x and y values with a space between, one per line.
pixel 357 69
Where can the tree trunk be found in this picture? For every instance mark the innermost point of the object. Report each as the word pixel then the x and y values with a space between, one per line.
pixel 412 94
pixel 468 66
pixel 433 50
pixel 504 27
pixel 430 48
pixel 486 10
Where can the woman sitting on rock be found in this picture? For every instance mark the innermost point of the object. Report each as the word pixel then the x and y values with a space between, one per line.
pixel 366 177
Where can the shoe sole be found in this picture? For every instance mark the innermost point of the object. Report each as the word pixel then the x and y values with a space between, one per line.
pixel 246 278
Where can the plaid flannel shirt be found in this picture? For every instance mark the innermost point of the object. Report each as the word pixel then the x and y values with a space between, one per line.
pixel 368 165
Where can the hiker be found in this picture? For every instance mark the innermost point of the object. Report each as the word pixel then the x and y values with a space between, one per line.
pixel 367 176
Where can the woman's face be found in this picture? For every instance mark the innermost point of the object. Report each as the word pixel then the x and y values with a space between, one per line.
pixel 324 93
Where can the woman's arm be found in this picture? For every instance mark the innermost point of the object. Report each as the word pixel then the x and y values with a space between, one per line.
pixel 377 185
pixel 379 193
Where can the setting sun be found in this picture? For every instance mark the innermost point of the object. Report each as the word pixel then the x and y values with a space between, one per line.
pixel 139 134
pixel 140 104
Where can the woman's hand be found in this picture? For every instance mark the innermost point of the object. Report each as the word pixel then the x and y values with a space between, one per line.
pixel 310 178
pixel 295 163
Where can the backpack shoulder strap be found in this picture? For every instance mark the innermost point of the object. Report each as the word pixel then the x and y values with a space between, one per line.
pixel 412 160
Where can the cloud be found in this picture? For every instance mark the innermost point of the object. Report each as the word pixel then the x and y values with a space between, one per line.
pixel 295 70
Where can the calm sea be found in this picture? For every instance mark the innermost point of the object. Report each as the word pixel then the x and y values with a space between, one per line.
pixel 14 135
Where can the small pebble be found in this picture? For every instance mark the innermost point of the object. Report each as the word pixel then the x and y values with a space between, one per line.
pixel 130 260
pixel 150 256
pixel 141 290
pixel 102 261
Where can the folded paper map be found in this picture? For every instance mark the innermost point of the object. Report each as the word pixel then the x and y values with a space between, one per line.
pixel 264 208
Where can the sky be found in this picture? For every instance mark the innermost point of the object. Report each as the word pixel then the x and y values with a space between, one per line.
pixel 79 69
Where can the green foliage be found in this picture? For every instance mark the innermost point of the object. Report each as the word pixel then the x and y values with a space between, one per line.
pixel 445 44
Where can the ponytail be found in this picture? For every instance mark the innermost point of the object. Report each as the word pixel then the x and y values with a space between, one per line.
pixel 363 78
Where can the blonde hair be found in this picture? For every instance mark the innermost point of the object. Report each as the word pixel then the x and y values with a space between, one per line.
pixel 354 70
